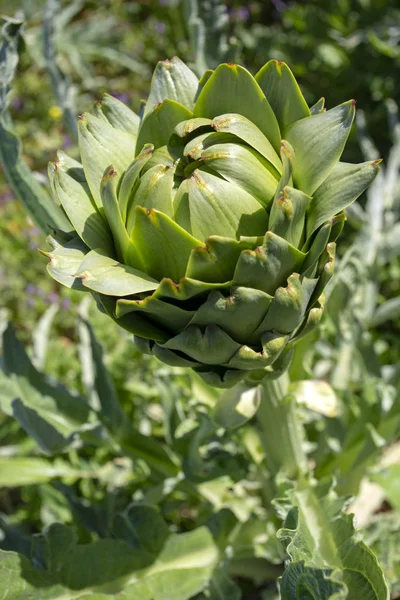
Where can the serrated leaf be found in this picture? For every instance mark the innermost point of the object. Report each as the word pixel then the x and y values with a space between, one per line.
pixel 326 557
pixel 73 571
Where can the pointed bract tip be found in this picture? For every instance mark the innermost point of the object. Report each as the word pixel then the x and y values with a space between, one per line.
pixel 47 254
pixel 167 62
pixel 109 173
pixel 376 162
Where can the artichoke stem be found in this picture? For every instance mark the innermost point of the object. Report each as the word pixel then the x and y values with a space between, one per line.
pixel 281 430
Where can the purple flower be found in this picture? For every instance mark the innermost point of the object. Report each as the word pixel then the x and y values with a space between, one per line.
pixel 52 298
pixel 32 245
pixel 280 5
pixel 6 197
pixel 30 289
pixel 66 303
pixel 122 96
pixel 30 302
pixel 242 13
pixel 163 2
pixel 17 103
pixel 160 27
pixel 67 141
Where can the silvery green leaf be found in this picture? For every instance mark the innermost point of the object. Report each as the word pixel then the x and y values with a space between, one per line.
pixel 236 406
pixel 318 142
pixel 174 80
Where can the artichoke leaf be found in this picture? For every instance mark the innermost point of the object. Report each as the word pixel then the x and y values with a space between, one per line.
pixel 314 317
pixel 153 191
pixel 287 157
pixel 337 224
pixel 212 346
pixel 161 156
pixel 100 145
pixel 315 246
pixel 202 82
pixel 343 185
pixel 282 92
pixel 77 202
pixel 248 359
pixel 174 80
pixel 65 261
pixel 105 275
pixel 163 245
pixel 318 142
pixel 133 322
pixel 159 124
pixel 217 207
pixel 220 377
pixel 187 127
pixel 248 132
pixel 239 314
pixel 172 358
pixel 232 89
pixel 195 147
pixel 326 269
pixel 117 114
pixel 216 261
pixel 187 289
pixel 255 175
pixel 167 315
pixel 289 305
pixel 236 406
pixel 318 107
pixel 68 164
pixel 131 176
pixel 288 214
pixel 126 251
pixel 268 266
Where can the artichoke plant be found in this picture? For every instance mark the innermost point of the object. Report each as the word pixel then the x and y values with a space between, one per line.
pixel 206 226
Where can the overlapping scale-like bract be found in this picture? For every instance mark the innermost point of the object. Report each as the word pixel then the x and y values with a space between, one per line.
pixel 207 228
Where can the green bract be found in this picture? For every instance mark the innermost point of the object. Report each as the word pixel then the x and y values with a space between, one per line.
pixel 207 226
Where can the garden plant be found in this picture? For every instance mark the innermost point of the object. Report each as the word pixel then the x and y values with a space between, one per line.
pixel 225 425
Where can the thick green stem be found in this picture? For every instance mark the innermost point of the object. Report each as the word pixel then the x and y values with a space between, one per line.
pixel 281 430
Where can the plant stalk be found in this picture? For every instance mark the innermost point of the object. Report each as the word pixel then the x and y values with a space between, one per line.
pixel 281 430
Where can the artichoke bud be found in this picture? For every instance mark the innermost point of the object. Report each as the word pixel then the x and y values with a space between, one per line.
pixel 206 226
